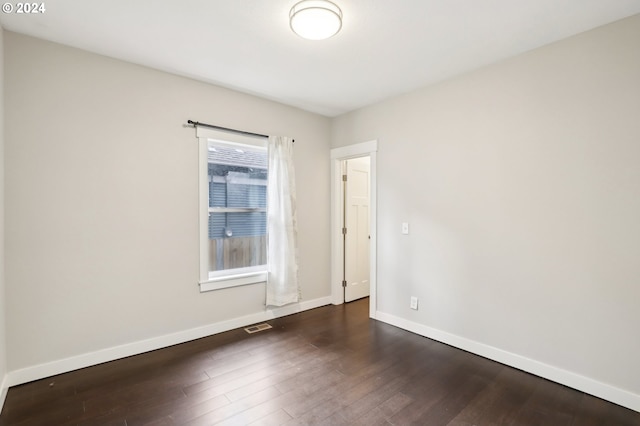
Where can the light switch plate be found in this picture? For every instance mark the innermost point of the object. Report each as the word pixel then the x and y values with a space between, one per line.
pixel 405 228
pixel 414 303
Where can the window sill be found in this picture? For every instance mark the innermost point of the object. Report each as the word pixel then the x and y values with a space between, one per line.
pixel 233 280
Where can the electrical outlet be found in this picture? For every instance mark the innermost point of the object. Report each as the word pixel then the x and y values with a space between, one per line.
pixel 414 303
pixel 405 228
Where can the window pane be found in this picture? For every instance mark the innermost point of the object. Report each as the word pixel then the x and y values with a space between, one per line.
pixel 241 249
pixel 237 201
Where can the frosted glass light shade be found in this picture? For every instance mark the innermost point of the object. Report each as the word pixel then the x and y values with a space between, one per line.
pixel 315 19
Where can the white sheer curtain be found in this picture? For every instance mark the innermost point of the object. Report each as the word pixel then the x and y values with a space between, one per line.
pixel 282 229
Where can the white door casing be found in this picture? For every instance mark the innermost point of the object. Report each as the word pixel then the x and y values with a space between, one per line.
pixel 338 155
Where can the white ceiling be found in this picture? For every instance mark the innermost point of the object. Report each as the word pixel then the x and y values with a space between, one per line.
pixel 386 47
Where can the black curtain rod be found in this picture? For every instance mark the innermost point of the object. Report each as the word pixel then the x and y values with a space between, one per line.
pixel 226 129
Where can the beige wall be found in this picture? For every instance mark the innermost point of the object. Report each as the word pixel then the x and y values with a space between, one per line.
pixel 3 347
pixel 102 202
pixel 521 184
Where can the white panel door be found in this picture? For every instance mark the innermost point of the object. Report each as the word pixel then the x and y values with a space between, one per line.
pixel 357 224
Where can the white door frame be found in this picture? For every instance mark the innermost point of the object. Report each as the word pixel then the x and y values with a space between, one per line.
pixel 338 155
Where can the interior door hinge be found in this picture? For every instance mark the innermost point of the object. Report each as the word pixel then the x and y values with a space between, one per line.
pixel 344 283
pixel 344 178
pixel 344 231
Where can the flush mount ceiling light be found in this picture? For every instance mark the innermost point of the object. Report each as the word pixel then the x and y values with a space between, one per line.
pixel 315 19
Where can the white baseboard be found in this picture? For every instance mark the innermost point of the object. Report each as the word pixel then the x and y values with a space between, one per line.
pixel 4 388
pixel 555 374
pixel 41 371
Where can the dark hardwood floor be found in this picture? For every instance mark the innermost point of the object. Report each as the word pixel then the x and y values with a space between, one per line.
pixel 330 366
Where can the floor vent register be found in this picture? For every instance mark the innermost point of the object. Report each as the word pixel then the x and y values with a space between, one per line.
pixel 256 328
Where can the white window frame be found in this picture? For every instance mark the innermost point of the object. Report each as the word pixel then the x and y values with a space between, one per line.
pixel 217 280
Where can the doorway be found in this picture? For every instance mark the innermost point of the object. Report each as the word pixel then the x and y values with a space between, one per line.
pixel 354 261
pixel 355 223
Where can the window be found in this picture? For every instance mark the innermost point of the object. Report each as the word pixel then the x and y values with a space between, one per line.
pixel 237 177
pixel 233 211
